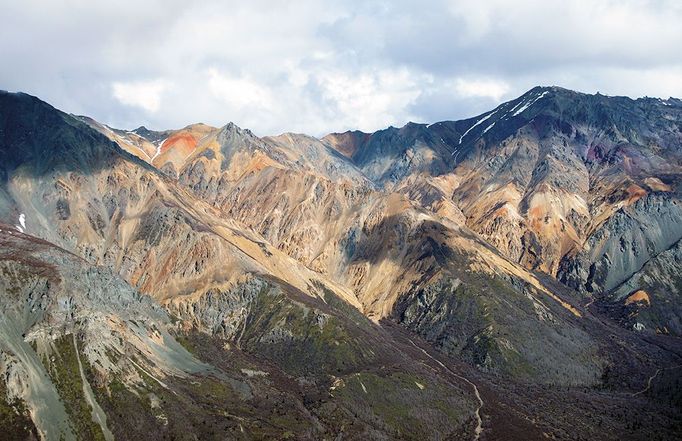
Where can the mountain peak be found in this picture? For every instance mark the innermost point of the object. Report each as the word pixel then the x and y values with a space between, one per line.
pixel 232 127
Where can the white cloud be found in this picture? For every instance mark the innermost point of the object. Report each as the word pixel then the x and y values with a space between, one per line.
pixel 324 65
pixel 494 89
pixel 238 92
pixel 370 100
pixel 143 94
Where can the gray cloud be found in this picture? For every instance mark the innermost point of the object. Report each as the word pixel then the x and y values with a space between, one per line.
pixel 320 66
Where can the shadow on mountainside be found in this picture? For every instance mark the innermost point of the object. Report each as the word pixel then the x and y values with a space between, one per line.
pixel 38 139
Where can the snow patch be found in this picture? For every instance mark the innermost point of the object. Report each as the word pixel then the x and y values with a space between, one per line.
pixel 22 223
pixel 516 106
pixel 529 103
pixel 488 128
pixel 477 123
pixel 158 149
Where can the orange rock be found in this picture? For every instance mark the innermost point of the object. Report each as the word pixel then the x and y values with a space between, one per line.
pixel 635 192
pixel 185 139
pixel 656 184
pixel 639 296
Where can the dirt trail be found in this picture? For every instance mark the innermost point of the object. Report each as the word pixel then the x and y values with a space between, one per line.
pixel 98 414
pixel 651 378
pixel 479 421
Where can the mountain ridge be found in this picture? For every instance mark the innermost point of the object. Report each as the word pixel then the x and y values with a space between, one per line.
pixel 324 278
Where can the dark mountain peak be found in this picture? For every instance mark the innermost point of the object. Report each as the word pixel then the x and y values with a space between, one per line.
pixel 233 138
pixel 151 135
pixel 41 139
pixel 556 109
pixel 550 112
pixel 24 103
pixel 232 128
pixel 348 133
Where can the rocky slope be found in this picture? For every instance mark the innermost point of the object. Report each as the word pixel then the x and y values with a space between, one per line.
pixel 111 364
pixel 88 357
pixel 582 187
pixel 323 212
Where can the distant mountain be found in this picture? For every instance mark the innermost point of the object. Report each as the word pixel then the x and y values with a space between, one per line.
pixel 511 276
pixel 549 179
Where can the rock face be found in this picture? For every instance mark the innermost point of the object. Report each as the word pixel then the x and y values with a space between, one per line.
pixel 650 298
pixel 414 282
pixel 623 244
pixel 60 314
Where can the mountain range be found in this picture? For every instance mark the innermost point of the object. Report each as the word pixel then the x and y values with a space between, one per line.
pixel 516 276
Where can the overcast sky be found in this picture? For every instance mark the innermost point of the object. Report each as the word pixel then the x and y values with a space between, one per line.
pixel 321 66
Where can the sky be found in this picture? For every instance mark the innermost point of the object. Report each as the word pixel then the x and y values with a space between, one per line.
pixel 326 66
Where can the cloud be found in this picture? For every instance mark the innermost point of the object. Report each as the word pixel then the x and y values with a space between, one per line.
pixel 317 66
pixel 494 89
pixel 143 94
pixel 239 92
pixel 367 100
